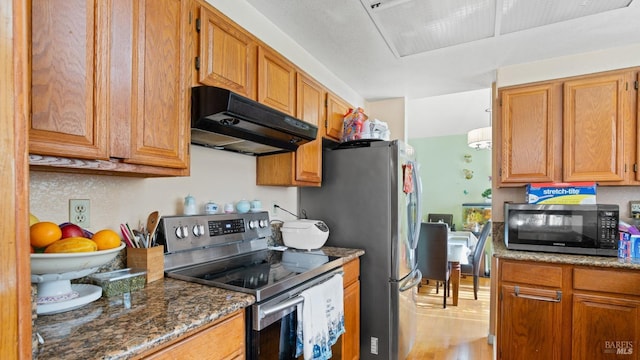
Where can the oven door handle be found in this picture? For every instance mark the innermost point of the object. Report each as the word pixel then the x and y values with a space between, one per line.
pixel 264 312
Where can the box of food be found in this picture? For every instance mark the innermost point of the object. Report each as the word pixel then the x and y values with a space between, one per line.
pixel 562 193
pixel 118 282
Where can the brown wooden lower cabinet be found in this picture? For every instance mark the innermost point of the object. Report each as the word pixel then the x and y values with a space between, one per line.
pixel 225 340
pixel 563 311
pixel 350 340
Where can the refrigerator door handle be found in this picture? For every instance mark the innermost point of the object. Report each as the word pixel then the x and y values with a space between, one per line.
pixel 418 219
pixel 414 281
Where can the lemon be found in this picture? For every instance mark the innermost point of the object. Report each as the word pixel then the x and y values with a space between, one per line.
pixel 33 219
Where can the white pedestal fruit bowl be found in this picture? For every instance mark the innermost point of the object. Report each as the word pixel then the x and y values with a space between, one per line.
pixel 53 274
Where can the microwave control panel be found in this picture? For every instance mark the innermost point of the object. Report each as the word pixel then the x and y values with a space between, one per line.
pixel 608 227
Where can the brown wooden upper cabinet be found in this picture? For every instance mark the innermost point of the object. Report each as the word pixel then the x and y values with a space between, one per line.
pixel 227 55
pixel 531 133
pixel 116 93
pixel 574 129
pixel 336 110
pixel 276 81
pixel 64 76
pixel 595 116
pixel 304 166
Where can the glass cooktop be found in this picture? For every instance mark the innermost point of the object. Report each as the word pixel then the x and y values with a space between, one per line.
pixel 263 273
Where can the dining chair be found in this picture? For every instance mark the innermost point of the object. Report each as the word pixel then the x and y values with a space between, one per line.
pixel 432 255
pixel 473 267
pixel 445 218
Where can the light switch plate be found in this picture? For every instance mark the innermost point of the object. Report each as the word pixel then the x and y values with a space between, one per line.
pixel 634 209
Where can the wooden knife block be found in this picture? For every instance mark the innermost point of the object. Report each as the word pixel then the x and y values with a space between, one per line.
pixel 150 259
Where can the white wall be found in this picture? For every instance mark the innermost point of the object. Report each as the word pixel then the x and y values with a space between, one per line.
pixel 451 114
pixel 391 111
pixel 597 61
pixel 215 175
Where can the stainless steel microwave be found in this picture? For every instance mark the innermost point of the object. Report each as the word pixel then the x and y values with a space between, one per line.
pixel 570 229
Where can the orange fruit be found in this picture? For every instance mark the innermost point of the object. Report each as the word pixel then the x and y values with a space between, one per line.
pixel 106 239
pixel 43 233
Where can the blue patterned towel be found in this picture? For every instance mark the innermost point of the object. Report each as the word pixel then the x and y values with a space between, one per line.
pixel 320 319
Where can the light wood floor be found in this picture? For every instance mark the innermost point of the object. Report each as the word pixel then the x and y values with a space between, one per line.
pixel 457 332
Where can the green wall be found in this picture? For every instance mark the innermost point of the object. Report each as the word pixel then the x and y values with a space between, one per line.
pixel 442 164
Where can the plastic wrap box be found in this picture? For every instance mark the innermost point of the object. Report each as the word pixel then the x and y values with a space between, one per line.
pixel 562 193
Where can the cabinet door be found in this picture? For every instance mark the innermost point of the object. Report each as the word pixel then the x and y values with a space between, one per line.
pixel 336 110
pixel 595 109
pixel 304 166
pixel 227 54
pixel 605 327
pixel 530 130
pixel 351 338
pixel 310 105
pixel 160 118
pixel 276 81
pixel 67 85
pixel 530 324
pixel 223 341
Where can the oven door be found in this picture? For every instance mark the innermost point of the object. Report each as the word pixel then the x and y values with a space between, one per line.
pixel 272 324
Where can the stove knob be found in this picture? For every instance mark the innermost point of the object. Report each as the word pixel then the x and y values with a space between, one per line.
pixel 253 224
pixel 198 230
pixel 182 232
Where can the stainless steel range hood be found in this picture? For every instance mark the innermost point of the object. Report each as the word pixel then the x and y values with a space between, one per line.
pixel 224 120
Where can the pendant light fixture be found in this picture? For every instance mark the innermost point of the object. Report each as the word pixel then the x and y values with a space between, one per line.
pixel 480 138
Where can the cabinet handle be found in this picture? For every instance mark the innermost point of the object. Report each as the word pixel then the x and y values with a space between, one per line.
pixel 516 291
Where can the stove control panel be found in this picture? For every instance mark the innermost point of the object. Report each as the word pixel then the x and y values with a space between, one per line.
pixel 182 233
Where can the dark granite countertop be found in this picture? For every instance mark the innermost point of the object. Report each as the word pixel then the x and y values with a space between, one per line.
pixel 163 311
pixel 501 251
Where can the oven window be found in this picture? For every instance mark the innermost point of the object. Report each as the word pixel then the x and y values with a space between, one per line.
pixel 276 341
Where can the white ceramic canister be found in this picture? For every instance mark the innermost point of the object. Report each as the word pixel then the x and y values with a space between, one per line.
pixel 243 206
pixel 211 208
pixel 228 208
pixel 190 205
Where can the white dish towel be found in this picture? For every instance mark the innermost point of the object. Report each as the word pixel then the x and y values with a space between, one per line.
pixel 320 319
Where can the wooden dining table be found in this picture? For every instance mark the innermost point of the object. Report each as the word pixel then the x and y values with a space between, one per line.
pixel 460 245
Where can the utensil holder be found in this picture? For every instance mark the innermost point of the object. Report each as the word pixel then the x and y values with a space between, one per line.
pixel 150 259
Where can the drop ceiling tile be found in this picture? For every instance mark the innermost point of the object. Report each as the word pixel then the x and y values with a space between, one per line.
pixel 520 15
pixel 415 26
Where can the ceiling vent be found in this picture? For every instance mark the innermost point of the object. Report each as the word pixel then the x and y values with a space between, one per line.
pixel 414 26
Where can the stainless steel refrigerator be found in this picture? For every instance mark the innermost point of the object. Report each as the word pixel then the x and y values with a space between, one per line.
pixel 369 199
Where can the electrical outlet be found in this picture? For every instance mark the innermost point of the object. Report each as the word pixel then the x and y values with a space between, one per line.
pixel 79 212
pixel 274 207
pixel 634 209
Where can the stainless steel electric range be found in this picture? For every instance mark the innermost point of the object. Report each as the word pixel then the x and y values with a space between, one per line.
pixel 231 251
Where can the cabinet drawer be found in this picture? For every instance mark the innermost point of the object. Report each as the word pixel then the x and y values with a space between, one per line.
pixel 611 281
pixel 223 341
pixel 534 274
pixel 351 272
